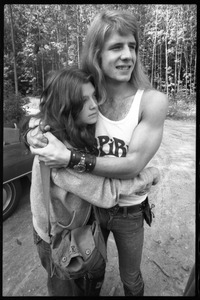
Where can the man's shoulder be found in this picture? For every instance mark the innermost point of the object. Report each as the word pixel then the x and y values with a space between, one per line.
pixel 154 97
pixel 153 93
pixel 154 104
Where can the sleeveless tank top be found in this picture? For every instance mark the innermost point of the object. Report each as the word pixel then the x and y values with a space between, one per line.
pixel 113 138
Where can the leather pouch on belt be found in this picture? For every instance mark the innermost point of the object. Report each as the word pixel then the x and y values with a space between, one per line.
pixel 147 214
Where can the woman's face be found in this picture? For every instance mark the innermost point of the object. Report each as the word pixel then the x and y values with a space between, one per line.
pixel 118 57
pixel 89 112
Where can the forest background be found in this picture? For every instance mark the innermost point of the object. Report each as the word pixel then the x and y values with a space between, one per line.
pixel 42 38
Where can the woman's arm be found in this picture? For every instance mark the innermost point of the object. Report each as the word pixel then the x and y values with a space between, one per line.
pixel 101 191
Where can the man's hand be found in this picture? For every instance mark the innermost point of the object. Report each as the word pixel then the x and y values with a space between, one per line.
pixel 55 154
pixel 35 137
pixel 145 179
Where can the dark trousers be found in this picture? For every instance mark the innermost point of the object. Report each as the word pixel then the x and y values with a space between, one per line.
pixel 128 231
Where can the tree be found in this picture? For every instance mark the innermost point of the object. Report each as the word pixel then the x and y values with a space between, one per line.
pixel 49 37
pixel 13 46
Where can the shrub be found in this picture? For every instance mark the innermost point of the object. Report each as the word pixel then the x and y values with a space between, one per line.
pixel 182 107
pixel 13 111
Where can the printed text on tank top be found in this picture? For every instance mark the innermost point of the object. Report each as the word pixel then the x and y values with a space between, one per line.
pixel 113 136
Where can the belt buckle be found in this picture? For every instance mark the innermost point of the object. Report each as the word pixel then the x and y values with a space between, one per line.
pixel 114 210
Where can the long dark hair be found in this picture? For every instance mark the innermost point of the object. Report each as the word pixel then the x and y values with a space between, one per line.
pixel 60 105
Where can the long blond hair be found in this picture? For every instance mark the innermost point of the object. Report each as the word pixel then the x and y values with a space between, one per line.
pixel 105 23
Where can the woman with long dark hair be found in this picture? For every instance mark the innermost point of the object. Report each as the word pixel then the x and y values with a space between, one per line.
pixel 68 104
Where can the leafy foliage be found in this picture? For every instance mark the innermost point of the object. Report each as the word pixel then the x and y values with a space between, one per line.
pixel 49 37
pixel 12 107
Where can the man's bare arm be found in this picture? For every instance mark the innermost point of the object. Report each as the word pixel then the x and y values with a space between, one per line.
pixel 145 140
pixel 144 143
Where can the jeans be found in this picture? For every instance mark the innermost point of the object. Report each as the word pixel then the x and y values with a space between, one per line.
pixel 128 232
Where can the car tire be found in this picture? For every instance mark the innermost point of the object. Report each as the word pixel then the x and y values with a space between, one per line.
pixel 11 197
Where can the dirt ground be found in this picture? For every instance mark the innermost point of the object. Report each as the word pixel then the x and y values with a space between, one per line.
pixel 169 246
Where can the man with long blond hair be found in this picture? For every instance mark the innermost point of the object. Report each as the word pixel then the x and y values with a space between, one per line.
pixel 129 131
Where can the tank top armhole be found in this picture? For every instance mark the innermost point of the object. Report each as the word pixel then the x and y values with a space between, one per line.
pixel 136 103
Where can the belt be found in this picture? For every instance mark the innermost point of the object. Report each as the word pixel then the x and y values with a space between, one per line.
pixel 129 209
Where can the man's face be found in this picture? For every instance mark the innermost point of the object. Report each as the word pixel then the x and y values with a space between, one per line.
pixel 118 57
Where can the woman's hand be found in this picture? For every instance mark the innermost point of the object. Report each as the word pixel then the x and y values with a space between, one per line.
pixel 55 154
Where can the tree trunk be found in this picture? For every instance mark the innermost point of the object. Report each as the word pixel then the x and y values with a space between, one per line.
pixel 175 68
pixel 186 72
pixel 34 81
pixel 166 55
pixel 37 74
pixel 42 70
pixel 154 51
pixel 42 58
pixel 161 66
pixel 14 54
pixel 195 68
pixel 67 56
pixel 52 58
pixel 176 56
pixel 78 34
pixel 58 41
pixel 190 71
pixel 179 68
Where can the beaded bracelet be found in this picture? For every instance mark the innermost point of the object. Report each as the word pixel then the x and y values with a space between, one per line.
pixel 81 162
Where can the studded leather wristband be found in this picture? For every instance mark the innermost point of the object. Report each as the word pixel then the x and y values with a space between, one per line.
pixel 81 162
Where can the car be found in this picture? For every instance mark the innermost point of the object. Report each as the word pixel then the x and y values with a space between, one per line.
pixel 17 163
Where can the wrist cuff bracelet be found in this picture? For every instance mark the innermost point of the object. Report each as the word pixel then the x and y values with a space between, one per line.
pixel 81 162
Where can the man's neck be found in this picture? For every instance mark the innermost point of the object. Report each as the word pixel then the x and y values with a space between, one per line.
pixel 118 102
pixel 118 91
